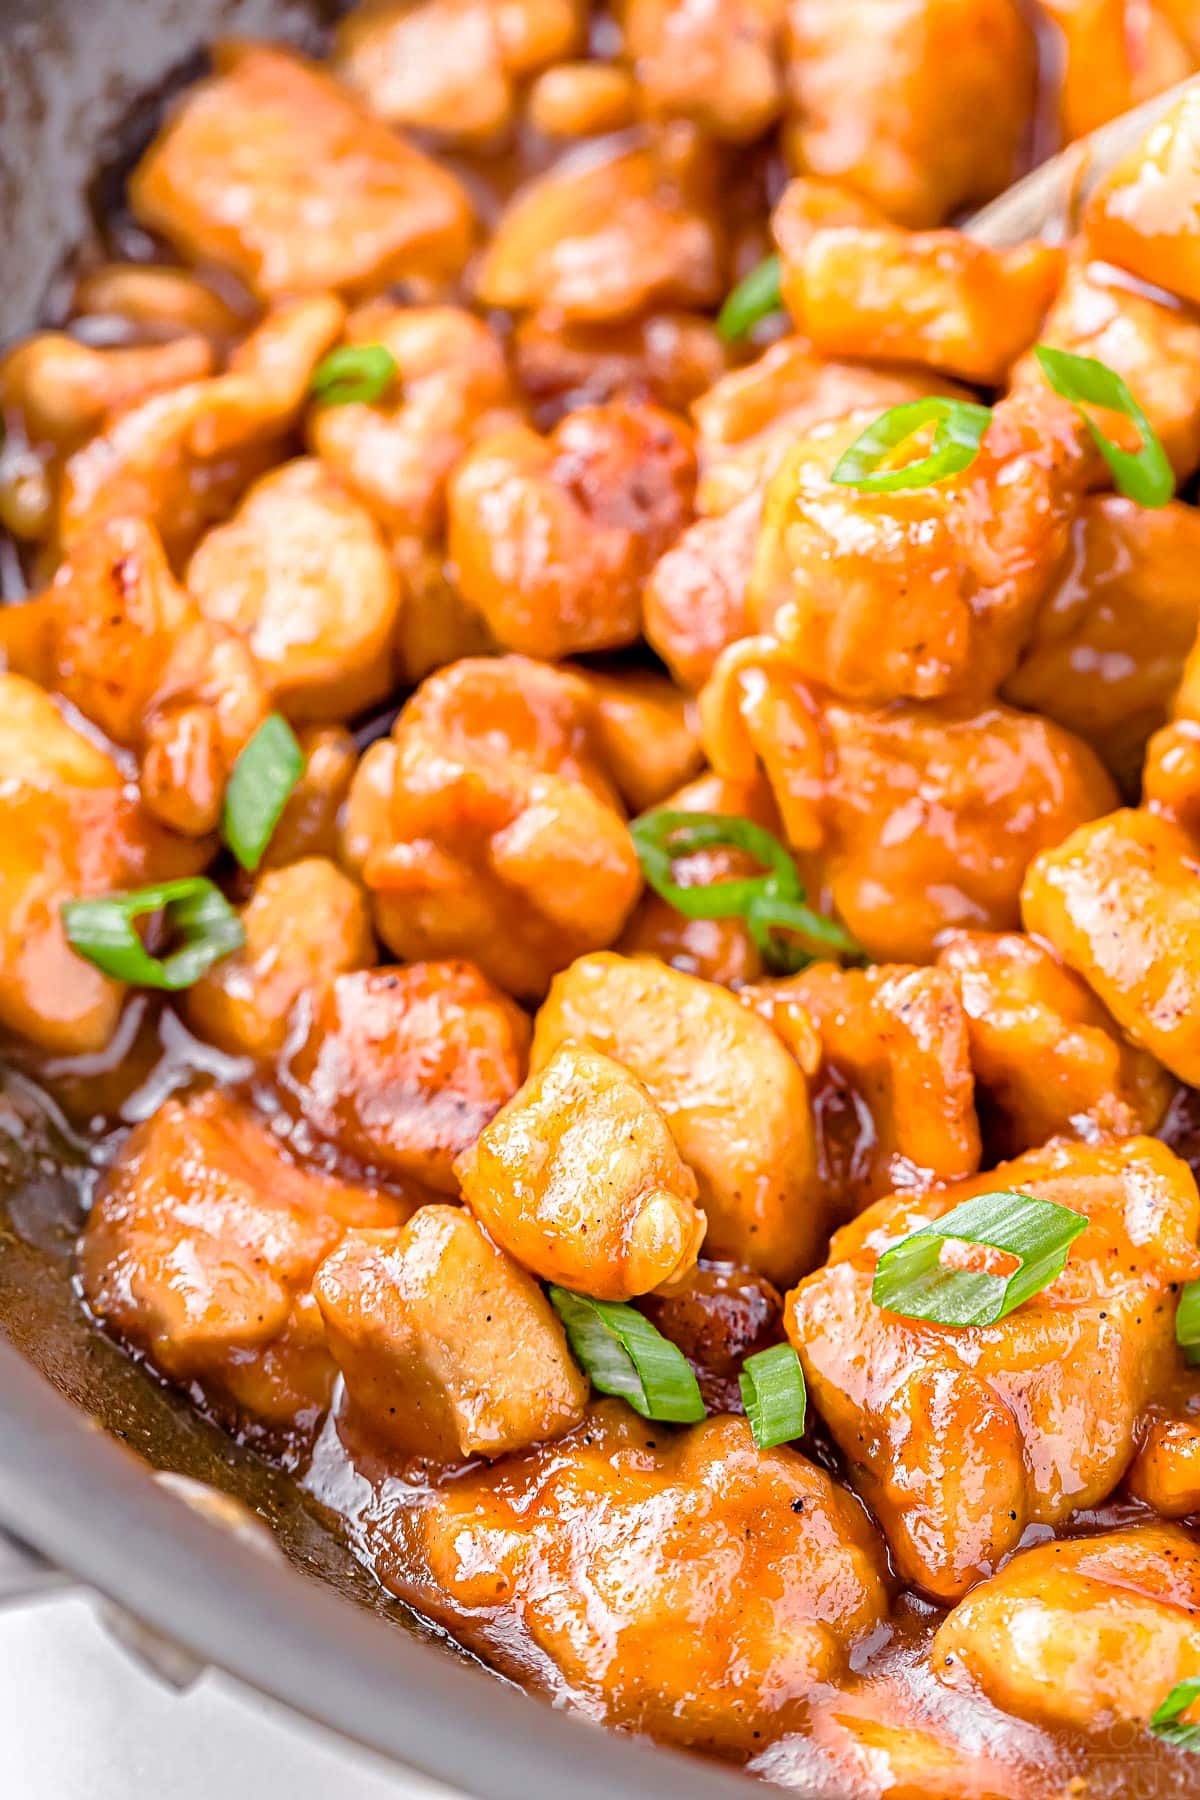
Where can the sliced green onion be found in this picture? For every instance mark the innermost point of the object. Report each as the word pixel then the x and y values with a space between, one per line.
pixel 1165 1720
pixel 103 932
pixel 263 776
pixel 960 428
pixel 755 297
pixel 1143 475
pixel 911 1280
pixel 355 374
pixel 624 1354
pixel 768 903
pixel 1187 1322
pixel 774 1395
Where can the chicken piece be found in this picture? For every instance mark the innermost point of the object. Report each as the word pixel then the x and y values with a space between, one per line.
pixel 182 458
pixel 272 169
pixel 921 105
pixel 934 298
pixel 715 62
pixel 552 538
pixel 1110 638
pixel 926 592
pixel 607 235
pixel 60 390
pixel 694 600
pixel 647 734
pixel 302 575
pixel 1110 55
pixel 1171 773
pixel 1166 1471
pixel 437 627
pixel 961 1438
pixel 397 453
pixel 718 1315
pixel 403 1067
pixel 920 817
pixel 1084 1634
pixel 304 925
pixel 735 1101
pixel 1142 216
pixel 156 297
pixel 486 825
pixel 72 829
pixel 448 67
pixel 682 1584
pixel 1152 345
pixel 582 99
pixel 719 950
pixel 579 1179
pixel 118 637
pixel 1048 1060
pixel 449 1349
pixel 748 421
pixel 893 1044
pixel 1120 903
pixel 669 357
pixel 308 824
pixel 201 1247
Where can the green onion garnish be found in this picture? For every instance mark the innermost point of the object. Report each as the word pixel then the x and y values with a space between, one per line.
pixel 960 428
pixel 1165 1720
pixel 624 1354
pixel 263 776
pixel 769 903
pixel 103 932
pixel 911 1280
pixel 1187 1322
pixel 774 1395
pixel 1143 475
pixel 355 374
pixel 755 297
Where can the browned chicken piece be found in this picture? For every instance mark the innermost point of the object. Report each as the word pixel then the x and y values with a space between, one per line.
pixel 921 817
pixel 552 538
pixel 1048 1059
pixel 1082 1635
pixel 715 62
pixel 579 1178
pixel 927 592
pixel 201 1248
pixel 1110 638
pixel 1110 55
pixel 396 453
pixel 302 575
pixel 921 105
pixel 449 1349
pixel 684 1584
pixel 647 733
pixel 182 458
pixel 61 390
pixel 694 600
pixel 72 830
pixel 894 1051
pixel 304 925
pixel 960 1439
pixel 486 825
pixel 119 638
pixel 1171 773
pixel 1166 1471
pixel 1151 344
pixel 718 1314
pixel 157 297
pixel 671 358
pixel 719 950
pixel 403 1067
pixel 437 626
pixel 1142 217
pixel 736 1102
pixel 1119 901
pixel 608 235
pixel 582 99
pixel 272 169
pixel 748 421
pixel 308 824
